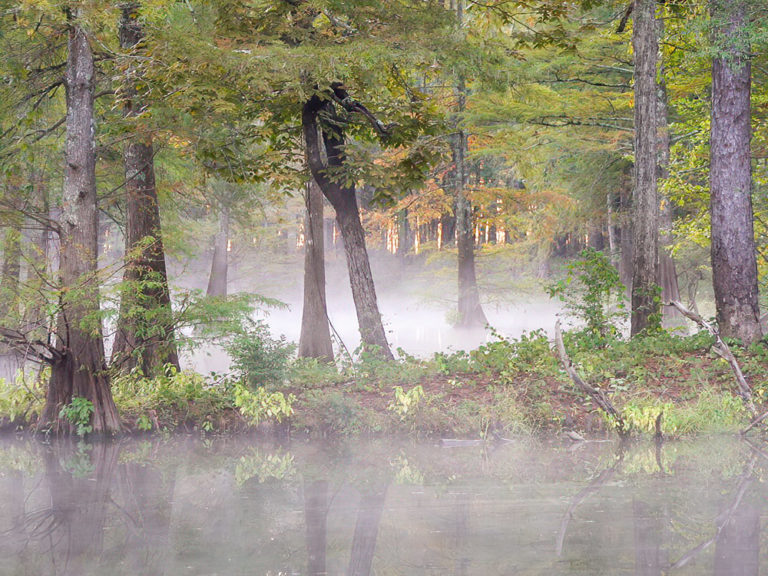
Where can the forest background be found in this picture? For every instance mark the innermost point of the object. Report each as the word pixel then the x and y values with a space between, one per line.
pixel 614 153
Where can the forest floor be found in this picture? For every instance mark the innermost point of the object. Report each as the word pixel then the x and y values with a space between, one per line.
pixel 504 388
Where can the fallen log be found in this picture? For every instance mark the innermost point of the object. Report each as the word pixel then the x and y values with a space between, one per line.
pixel 722 350
pixel 597 395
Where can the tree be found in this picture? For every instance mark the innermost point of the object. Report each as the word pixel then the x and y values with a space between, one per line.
pixel 734 265
pixel 469 307
pixel 315 339
pixel 670 290
pixel 328 136
pixel 144 335
pixel 645 201
pixel 79 368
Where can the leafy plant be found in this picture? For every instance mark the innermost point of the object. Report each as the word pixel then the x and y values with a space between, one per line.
pixel 260 404
pixel 406 402
pixel 592 292
pixel 258 358
pixel 78 413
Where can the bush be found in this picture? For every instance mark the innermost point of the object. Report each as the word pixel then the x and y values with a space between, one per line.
pixel 257 358
pixel 593 293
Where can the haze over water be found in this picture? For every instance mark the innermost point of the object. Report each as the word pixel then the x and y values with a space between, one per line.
pixel 239 506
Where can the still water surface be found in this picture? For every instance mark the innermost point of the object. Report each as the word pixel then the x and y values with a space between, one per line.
pixel 241 506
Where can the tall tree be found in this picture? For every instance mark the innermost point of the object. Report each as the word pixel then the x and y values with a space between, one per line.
pixel 329 136
pixel 315 339
pixel 469 307
pixel 79 369
pixel 144 336
pixel 670 290
pixel 645 202
pixel 734 265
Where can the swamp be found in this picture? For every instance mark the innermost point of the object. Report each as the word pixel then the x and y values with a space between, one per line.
pixel 366 287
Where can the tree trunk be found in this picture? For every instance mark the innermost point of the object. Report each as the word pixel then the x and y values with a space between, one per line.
pixel 360 276
pixel 343 199
pixel 144 336
pixel 315 339
pixel 80 371
pixel 217 283
pixel 734 265
pixel 470 310
pixel 670 290
pixel 645 202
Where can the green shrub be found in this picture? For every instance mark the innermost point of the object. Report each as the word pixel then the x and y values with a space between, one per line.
pixel 593 293
pixel 258 359
pixel 78 413
pixel 24 399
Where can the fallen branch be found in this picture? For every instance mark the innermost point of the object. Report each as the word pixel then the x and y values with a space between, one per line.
pixel 722 350
pixel 596 394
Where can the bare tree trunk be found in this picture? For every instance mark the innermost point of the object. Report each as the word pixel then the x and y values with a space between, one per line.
pixel 315 339
pixel 625 239
pixel 670 290
pixel 344 201
pixel 645 202
pixel 80 371
pixel 217 283
pixel 144 336
pixel 734 265
pixel 470 310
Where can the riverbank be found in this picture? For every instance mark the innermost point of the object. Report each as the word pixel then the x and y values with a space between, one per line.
pixel 504 388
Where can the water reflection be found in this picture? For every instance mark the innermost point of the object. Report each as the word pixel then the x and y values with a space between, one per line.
pixel 234 507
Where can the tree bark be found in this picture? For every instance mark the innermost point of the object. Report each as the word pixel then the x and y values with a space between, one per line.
pixel 645 202
pixel 315 339
pixel 217 283
pixel 144 336
pixel 343 199
pixel 470 309
pixel 734 264
pixel 670 290
pixel 81 370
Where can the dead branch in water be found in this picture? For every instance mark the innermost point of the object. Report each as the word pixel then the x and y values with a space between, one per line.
pixel 596 394
pixel 722 350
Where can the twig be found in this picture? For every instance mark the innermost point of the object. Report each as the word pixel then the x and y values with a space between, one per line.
pixel 722 349
pixel 595 393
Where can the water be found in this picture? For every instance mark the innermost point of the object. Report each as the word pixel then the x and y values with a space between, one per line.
pixel 239 506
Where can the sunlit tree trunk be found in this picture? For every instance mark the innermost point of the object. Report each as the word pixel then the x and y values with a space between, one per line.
pixel 344 201
pixel 217 282
pixel 734 264
pixel 645 202
pixel 80 369
pixel 315 339
pixel 144 336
